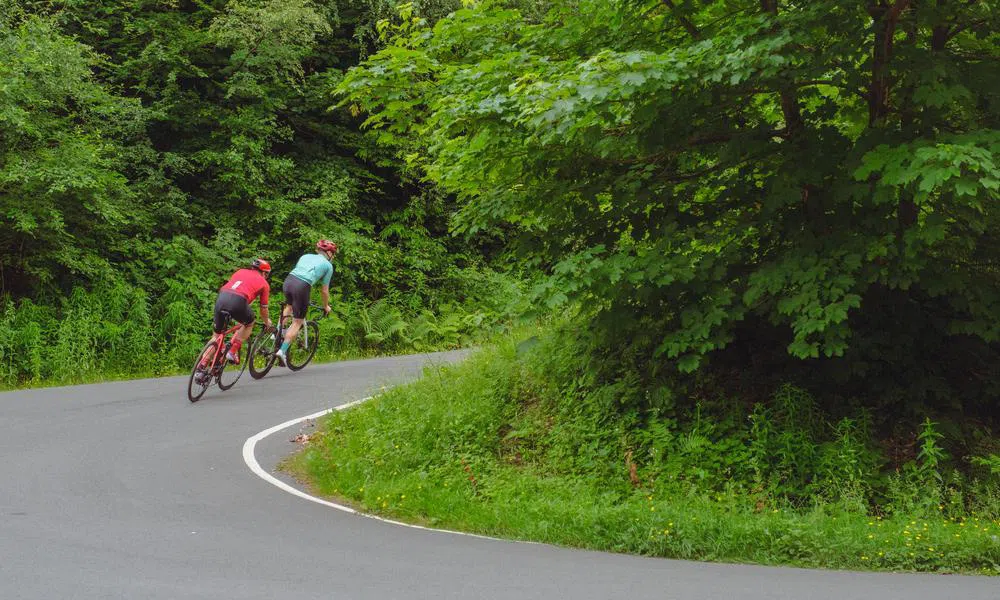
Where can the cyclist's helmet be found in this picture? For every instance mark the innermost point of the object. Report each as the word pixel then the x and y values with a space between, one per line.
pixel 326 246
pixel 261 265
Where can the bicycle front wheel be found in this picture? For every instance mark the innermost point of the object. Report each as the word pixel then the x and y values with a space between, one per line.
pixel 262 353
pixel 304 347
pixel 201 374
pixel 229 373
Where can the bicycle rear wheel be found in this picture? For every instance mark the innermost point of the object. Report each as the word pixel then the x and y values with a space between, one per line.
pixel 201 375
pixel 304 347
pixel 229 373
pixel 262 353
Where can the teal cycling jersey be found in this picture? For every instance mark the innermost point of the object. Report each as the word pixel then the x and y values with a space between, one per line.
pixel 312 268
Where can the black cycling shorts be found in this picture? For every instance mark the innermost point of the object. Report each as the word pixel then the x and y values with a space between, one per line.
pixel 236 305
pixel 297 294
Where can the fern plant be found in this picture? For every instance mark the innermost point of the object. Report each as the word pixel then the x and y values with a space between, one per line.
pixel 381 323
pixel 423 331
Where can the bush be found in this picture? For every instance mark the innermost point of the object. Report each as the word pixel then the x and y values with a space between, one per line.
pixel 525 440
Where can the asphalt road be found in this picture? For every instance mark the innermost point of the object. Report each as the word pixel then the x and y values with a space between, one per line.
pixel 126 490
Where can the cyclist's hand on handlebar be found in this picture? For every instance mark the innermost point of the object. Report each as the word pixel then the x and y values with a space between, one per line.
pixel 268 324
pixel 326 310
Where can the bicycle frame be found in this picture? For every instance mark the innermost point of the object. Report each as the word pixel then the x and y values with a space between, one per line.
pixel 280 329
pixel 220 345
pixel 212 363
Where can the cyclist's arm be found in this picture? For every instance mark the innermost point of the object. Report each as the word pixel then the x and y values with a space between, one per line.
pixel 264 297
pixel 326 287
pixel 325 293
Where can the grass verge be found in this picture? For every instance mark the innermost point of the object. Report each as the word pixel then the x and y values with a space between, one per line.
pixel 465 448
pixel 167 370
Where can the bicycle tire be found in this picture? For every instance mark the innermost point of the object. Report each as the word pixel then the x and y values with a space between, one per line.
pixel 234 371
pixel 265 344
pixel 195 389
pixel 298 346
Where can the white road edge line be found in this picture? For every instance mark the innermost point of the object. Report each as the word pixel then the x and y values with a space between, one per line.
pixel 251 460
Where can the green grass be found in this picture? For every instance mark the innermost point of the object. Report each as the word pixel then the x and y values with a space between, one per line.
pixel 469 447
pixel 169 370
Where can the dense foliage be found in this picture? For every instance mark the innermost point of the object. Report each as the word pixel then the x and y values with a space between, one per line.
pixel 766 191
pixel 775 226
pixel 147 150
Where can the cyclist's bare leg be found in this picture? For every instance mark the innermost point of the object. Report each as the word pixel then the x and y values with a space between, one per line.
pixel 293 330
pixel 210 356
pixel 244 332
pixel 238 338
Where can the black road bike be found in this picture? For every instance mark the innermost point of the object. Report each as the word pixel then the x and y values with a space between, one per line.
pixel 264 352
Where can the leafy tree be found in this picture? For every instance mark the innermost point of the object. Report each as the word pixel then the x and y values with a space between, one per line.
pixel 230 142
pixel 64 204
pixel 811 178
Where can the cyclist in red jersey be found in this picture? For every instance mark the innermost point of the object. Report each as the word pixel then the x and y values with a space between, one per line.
pixel 245 286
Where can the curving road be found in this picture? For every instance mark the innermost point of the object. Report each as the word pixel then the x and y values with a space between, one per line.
pixel 125 490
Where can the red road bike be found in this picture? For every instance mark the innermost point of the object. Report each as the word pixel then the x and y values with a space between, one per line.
pixel 212 365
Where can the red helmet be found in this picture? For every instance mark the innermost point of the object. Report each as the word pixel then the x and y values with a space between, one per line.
pixel 261 265
pixel 326 246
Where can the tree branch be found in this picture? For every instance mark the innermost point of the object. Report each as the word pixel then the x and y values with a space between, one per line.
pixel 719 166
pixel 973 25
pixel 789 99
pixel 811 82
pixel 688 25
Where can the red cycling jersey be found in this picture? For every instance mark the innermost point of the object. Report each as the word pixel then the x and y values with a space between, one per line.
pixel 248 283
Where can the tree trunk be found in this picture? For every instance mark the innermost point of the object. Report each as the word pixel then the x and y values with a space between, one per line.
pixel 884 20
pixel 794 127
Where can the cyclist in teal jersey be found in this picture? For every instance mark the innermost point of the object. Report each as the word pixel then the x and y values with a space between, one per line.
pixel 309 270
